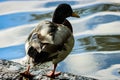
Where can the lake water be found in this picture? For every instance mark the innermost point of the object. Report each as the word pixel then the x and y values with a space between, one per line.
pixel 96 52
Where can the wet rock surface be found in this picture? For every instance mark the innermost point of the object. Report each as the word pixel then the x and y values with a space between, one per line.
pixel 10 70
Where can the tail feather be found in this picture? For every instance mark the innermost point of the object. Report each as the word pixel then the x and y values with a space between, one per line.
pixel 38 57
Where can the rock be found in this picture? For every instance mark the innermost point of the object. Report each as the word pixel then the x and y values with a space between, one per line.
pixel 10 70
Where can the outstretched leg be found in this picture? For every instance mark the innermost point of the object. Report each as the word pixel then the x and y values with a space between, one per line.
pixel 27 74
pixel 53 74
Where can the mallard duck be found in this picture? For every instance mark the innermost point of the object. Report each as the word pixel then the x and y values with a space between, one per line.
pixel 52 41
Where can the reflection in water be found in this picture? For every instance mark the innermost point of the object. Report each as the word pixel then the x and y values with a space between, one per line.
pixel 79 64
pixel 100 43
pixel 108 43
pixel 86 64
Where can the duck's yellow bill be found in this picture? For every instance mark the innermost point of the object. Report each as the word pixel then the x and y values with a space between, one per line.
pixel 75 15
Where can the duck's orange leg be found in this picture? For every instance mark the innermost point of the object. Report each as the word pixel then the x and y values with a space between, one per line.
pixel 53 74
pixel 27 74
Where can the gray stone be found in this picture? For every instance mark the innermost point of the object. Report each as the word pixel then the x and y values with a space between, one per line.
pixel 11 71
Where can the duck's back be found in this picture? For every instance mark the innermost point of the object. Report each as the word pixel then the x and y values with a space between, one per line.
pixel 50 35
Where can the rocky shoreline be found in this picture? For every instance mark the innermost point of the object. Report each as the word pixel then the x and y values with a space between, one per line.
pixel 10 70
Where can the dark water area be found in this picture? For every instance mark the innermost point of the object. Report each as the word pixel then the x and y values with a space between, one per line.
pixel 100 43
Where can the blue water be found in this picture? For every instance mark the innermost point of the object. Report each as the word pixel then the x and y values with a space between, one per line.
pixel 102 20
pixel 54 3
pixel 3 0
pixel 12 52
pixel 16 19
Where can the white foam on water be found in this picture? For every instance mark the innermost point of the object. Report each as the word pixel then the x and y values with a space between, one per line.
pixel 111 73
pixel 15 36
pixel 102 29
pixel 19 6
pixel 80 64
pixel 90 64
pixel 30 6
pixel 112 28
